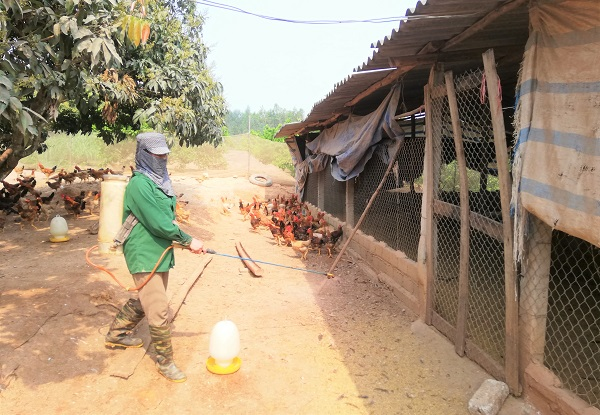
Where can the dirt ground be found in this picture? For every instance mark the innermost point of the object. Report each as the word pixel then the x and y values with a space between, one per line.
pixel 309 345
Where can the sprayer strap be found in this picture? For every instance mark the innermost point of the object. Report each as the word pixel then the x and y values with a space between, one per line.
pixel 125 230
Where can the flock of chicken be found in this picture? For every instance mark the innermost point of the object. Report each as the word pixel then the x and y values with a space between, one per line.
pixel 291 224
pixel 23 199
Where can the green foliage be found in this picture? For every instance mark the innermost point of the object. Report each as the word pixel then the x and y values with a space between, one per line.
pixel 450 180
pixel 51 52
pixel 263 121
pixel 117 77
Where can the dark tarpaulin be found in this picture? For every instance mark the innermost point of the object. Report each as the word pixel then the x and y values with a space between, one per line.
pixel 349 145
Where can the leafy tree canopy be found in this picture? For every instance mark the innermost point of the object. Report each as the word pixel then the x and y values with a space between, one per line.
pixel 110 71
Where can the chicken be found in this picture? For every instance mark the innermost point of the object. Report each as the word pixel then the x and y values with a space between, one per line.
pixel 48 172
pixel 45 206
pixel 82 175
pixel 181 214
pixel 28 211
pixel 254 221
pixel 226 206
pixel 92 201
pixel 73 206
pixel 97 174
pixel 316 241
pixel 302 247
pixel 276 231
pixel 55 185
pixel 288 235
pixel 332 240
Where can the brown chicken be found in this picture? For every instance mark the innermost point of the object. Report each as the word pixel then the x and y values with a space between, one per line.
pixel 276 232
pixel 254 221
pixel 332 240
pixel 48 172
pixel 92 201
pixel 181 214
pixel 72 205
pixel 28 211
pixel 55 185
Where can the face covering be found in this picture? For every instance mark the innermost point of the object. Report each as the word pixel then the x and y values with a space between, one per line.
pixel 153 167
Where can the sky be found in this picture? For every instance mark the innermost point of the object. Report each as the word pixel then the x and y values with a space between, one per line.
pixel 262 63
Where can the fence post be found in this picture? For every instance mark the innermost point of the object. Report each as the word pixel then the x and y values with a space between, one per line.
pixel 321 189
pixel 350 202
pixel 511 361
pixel 534 292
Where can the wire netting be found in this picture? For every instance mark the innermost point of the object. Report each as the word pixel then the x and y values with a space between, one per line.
pixel 311 191
pixel 395 215
pixel 335 196
pixel 572 348
pixel 486 298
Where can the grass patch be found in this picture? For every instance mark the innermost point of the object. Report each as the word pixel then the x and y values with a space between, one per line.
pixel 265 151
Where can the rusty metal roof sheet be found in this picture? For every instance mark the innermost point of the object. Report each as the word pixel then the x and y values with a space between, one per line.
pixel 452 32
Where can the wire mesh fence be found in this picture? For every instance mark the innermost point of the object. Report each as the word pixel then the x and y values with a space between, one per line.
pixel 335 196
pixel 486 299
pixel 395 215
pixel 572 347
pixel 311 192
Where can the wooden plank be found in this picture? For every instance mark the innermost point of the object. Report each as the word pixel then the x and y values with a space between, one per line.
pixel 124 363
pixel 389 79
pixel 478 222
pixel 491 366
pixel 483 23
pixel 252 266
pixel 511 361
pixel 463 274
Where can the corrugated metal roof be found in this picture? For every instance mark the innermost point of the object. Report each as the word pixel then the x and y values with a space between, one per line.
pixel 452 32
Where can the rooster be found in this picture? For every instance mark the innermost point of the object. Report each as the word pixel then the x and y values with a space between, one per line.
pixel 276 231
pixel 74 206
pixel 48 172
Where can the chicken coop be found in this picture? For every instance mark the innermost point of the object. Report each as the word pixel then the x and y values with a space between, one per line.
pixel 477 207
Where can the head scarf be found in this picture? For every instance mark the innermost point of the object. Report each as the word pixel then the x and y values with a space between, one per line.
pixel 153 167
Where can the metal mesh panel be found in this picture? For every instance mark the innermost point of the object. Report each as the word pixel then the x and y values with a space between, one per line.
pixel 395 215
pixel 486 297
pixel 486 316
pixel 572 349
pixel 445 285
pixel 311 191
pixel 335 197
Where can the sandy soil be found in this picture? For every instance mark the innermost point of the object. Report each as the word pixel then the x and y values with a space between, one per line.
pixel 309 345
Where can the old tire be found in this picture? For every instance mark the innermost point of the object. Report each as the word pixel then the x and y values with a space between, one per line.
pixel 261 180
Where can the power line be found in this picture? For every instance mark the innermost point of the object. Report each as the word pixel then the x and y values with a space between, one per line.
pixel 324 22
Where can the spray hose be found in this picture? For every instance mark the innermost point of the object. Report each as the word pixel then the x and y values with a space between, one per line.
pixel 100 267
pixel 208 251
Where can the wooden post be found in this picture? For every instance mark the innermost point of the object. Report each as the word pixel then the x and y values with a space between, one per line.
pixel 350 202
pixel 321 189
pixel 511 360
pixel 463 276
pixel 534 292
pixel 433 149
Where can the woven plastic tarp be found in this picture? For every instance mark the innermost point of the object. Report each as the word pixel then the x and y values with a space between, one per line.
pixel 557 154
pixel 349 145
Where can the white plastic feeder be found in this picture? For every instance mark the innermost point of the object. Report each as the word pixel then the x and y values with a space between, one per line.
pixel 224 348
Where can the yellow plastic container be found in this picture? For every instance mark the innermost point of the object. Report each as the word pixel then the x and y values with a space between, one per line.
pixel 112 194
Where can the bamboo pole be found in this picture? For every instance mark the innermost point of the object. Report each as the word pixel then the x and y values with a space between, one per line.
pixel 463 277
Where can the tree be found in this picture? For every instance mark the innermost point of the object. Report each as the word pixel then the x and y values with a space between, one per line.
pixel 50 50
pixel 174 90
pixel 89 56
pixel 237 121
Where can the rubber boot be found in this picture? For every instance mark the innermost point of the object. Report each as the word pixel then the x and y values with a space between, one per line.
pixel 119 334
pixel 161 339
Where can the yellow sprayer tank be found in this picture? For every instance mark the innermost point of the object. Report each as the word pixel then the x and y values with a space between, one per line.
pixel 112 194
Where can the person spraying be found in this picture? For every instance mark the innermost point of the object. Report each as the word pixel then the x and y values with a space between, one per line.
pixel 149 210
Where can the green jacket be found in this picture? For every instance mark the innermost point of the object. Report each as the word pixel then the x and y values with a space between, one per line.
pixel 155 231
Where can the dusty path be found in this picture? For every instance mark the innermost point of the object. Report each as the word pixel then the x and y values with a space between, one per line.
pixel 309 345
